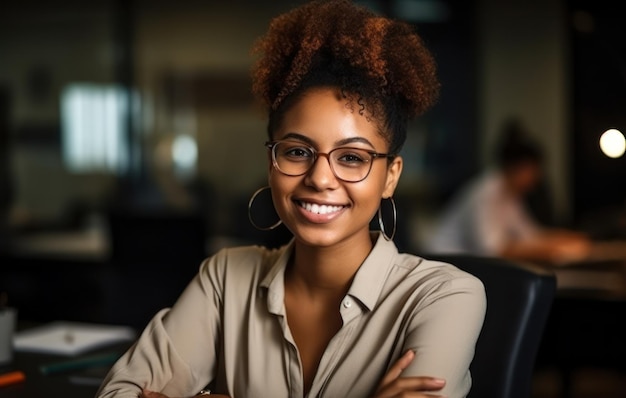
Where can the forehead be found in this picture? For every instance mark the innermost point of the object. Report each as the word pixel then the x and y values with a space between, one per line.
pixel 326 116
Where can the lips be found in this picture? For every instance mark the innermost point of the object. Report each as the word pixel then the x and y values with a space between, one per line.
pixel 322 209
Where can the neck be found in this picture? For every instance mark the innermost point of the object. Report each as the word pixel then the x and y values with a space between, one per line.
pixel 327 270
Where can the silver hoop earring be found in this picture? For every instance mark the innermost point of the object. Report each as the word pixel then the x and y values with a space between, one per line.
pixel 381 222
pixel 251 202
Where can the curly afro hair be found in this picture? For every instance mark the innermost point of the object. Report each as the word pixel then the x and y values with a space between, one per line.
pixel 380 65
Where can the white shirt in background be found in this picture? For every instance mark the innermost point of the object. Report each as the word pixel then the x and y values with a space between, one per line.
pixel 482 220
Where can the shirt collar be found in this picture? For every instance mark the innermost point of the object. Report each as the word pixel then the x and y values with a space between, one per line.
pixel 366 286
pixel 274 281
pixel 372 274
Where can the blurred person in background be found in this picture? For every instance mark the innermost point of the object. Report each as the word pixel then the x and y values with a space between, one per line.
pixel 489 216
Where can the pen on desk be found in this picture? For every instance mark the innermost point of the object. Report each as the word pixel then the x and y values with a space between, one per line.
pixel 12 378
pixel 81 363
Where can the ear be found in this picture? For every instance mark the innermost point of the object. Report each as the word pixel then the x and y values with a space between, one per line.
pixel 393 176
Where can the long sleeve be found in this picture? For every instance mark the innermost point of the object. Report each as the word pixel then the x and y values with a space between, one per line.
pixel 176 353
pixel 443 333
pixel 228 330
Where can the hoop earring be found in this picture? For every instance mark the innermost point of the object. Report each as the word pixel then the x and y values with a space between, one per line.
pixel 381 222
pixel 251 202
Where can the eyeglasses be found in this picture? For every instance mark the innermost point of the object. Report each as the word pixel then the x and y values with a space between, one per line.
pixel 294 158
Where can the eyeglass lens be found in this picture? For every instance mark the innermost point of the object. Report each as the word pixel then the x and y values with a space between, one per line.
pixel 348 164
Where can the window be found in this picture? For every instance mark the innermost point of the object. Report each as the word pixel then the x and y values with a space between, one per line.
pixel 94 127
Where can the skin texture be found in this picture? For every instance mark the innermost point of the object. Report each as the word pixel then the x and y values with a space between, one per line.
pixel 324 118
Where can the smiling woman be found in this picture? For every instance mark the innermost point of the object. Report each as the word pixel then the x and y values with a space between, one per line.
pixel 338 311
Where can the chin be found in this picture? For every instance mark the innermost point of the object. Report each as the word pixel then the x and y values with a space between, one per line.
pixel 317 238
pixel 327 238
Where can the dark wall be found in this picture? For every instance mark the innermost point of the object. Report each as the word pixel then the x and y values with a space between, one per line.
pixel 598 66
pixel 6 183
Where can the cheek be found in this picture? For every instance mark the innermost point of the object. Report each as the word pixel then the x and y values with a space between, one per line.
pixel 281 186
pixel 370 193
pixel 274 182
pixel 380 179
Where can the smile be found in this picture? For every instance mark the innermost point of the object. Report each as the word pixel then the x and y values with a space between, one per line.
pixel 320 209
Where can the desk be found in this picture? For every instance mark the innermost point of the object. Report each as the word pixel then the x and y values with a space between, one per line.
pixel 58 385
pixel 601 273
pixel 88 245
pixel 585 327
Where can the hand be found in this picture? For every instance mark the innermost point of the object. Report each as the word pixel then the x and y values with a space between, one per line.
pixel 153 394
pixel 394 386
pixel 569 247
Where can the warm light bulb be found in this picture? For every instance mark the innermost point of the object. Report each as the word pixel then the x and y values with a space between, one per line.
pixel 613 143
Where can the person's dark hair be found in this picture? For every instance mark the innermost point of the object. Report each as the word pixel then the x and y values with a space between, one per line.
pixel 379 64
pixel 516 146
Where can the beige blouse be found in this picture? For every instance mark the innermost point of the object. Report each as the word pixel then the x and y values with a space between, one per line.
pixel 229 330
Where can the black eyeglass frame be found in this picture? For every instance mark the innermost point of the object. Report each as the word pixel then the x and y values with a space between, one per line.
pixel 375 155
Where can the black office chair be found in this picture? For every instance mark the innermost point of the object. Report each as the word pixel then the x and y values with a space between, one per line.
pixel 519 299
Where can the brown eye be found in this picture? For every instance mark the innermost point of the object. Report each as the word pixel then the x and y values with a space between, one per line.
pixel 294 152
pixel 351 157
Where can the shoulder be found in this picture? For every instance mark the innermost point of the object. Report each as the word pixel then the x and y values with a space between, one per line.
pixel 432 268
pixel 438 278
pixel 241 261
pixel 446 271
pixel 435 292
pixel 243 255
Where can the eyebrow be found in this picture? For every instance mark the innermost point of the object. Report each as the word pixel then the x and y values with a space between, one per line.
pixel 339 143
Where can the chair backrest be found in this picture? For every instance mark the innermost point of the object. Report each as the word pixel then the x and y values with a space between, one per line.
pixel 519 299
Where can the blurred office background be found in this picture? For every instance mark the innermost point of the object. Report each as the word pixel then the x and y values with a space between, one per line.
pixel 120 119
pixel 148 102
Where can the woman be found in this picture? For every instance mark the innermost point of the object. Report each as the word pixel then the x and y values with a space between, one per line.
pixel 337 312
pixel 489 216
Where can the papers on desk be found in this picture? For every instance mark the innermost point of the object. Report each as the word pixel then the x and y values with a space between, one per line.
pixel 70 338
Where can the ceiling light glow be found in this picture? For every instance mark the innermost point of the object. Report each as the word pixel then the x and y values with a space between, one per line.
pixel 613 143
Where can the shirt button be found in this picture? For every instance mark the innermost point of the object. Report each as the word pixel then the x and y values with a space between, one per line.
pixel 347 303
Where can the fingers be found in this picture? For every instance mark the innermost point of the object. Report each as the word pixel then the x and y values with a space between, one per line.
pixel 151 394
pixel 396 370
pixel 404 386
pixel 392 385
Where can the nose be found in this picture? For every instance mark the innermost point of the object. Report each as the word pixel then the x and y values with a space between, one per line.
pixel 320 176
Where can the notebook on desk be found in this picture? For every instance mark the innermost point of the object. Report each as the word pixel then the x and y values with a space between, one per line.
pixel 70 338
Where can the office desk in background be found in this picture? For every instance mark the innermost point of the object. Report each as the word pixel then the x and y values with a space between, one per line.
pixel 78 383
pixel 601 273
pixel 585 329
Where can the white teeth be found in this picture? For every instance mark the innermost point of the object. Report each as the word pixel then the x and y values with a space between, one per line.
pixel 320 209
